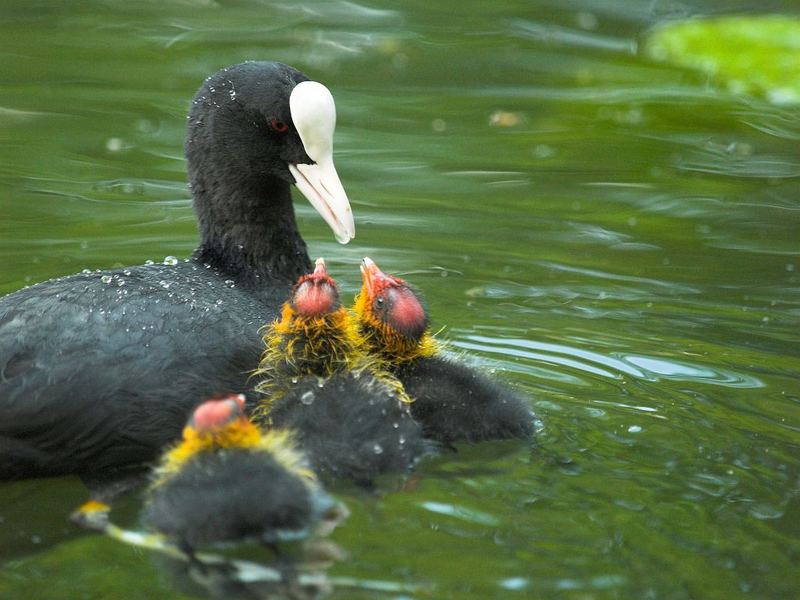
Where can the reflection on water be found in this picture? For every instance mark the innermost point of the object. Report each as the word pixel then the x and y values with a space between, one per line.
pixel 616 237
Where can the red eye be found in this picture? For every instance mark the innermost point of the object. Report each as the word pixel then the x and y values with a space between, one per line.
pixel 278 125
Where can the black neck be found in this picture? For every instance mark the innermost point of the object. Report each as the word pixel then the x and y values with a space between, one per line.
pixel 255 241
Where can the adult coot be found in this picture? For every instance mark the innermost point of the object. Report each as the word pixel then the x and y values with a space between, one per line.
pixel 100 370
pixel 351 416
pixel 452 401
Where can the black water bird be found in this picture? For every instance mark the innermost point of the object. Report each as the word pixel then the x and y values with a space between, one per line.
pixel 100 370
pixel 452 401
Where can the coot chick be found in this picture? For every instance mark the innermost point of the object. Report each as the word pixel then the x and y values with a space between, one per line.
pixel 351 417
pixel 100 370
pixel 452 401
pixel 228 482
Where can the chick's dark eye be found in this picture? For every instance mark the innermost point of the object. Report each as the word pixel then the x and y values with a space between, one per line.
pixel 379 302
pixel 278 125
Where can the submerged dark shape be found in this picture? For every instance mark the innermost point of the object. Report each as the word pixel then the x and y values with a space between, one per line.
pixel 229 482
pixel 451 400
pixel 100 370
pixel 351 417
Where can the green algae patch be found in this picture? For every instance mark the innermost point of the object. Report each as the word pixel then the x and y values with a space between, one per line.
pixel 757 55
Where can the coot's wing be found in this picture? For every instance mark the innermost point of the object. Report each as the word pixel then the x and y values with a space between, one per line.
pixel 99 370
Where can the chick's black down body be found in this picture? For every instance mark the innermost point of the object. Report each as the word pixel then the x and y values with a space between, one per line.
pixel 454 402
pixel 351 426
pixel 233 496
pixel 100 370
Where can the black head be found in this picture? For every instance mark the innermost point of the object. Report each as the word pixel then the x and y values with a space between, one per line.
pixel 252 133
pixel 240 118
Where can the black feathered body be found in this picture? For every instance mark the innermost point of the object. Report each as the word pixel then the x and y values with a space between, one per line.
pixel 351 426
pixel 234 495
pixel 102 370
pixel 454 402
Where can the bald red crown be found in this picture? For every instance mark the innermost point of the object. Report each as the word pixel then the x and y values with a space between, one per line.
pixel 214 414
pixel 393 301
pixel 315 294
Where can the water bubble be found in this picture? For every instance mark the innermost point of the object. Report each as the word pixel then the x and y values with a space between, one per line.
pixel 377 449
pixel 396 425
pixel 164 284
pixel 170 261
pixel 115 144
pixel 219 301
pixel 121 282
pixel 634 429
pixel 515 583
pixel 86 271
pixel 294 380
pixel 106 279
pixel 307 398
pixel 402 440
pixel 149 262
pixel 586 20
pixel 126 272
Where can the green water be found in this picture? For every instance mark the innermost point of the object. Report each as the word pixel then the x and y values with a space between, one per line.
pixel 618 238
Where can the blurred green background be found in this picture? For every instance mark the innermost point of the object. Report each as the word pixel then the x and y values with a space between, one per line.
pixel 615 236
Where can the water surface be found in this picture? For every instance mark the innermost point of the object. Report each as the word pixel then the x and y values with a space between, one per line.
pixel 618 239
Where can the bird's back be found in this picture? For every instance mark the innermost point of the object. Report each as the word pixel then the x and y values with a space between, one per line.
pixel 100 370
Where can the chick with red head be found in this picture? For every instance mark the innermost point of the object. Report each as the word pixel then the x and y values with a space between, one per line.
pixel 227 481
pixel 451 400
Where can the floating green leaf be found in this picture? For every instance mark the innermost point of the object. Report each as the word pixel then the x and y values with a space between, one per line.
pixel 757 55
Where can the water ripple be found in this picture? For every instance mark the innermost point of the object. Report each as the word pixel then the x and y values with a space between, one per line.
pixel 646 368
pixel 675 288
pixel 574 38
pixel 659 367
pixel 459 512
